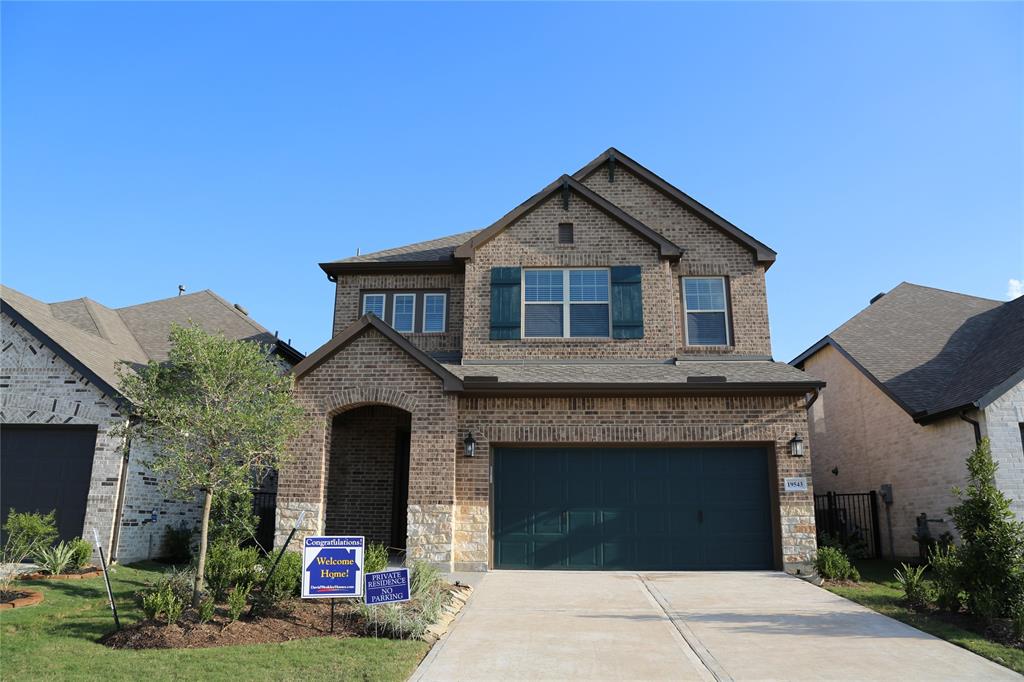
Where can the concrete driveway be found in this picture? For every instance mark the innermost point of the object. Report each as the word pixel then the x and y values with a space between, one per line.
pixel 551 625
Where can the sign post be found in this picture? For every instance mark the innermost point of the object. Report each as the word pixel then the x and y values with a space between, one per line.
pixel 332 567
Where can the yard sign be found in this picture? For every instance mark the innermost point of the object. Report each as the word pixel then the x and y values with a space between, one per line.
pixel 387 586
pixel 332 566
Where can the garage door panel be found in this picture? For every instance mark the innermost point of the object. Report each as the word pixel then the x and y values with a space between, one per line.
pixel 638 508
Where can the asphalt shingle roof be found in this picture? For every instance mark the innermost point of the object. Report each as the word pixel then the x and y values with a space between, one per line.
pixel 934 350
pixel 440 249
pixel 100 337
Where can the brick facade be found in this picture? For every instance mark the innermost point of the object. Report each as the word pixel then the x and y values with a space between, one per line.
pixel 1002 421
pixel 39 387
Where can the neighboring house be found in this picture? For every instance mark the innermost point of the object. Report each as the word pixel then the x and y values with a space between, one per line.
pixel 914 380
pixel 59 402
pixel 585 384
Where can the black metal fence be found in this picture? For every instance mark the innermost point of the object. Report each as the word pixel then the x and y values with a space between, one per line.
pixel 850 520
pixel 264 505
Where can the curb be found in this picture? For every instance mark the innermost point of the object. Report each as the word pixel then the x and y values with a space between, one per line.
pixel 31 600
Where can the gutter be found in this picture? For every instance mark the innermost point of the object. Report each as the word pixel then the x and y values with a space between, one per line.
pixel 495 388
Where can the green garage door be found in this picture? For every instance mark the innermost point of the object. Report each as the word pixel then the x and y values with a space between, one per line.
pixel 632 508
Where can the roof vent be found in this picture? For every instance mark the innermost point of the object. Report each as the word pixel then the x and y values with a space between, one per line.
pixel 876 297
pixel 241 310
pixel 705 380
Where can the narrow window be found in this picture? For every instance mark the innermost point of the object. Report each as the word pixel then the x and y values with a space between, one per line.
pixel 550 309
pixel 403 316
pixel 434 313
pixel 374 303
pixel 565 233
pixel 705 314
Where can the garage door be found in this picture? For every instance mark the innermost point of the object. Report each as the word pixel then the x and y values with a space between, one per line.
pixel 47 468
pixel 632 508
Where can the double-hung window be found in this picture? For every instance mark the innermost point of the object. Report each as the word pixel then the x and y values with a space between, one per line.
pixel 433 313
pixel 706 313
pixel 403 313
pixel 374 303
pixel 566 303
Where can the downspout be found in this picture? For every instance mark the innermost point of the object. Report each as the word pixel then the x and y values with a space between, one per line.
pixel 975 424
pixel 813 398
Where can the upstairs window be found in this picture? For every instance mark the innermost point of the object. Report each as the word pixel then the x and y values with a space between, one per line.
pixel 705 311
pixel 374 303
pixel 552 310
pixel 433 313
pixel 403 316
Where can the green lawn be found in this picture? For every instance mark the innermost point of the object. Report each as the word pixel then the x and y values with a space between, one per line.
pixel 880 592
pixel 57 639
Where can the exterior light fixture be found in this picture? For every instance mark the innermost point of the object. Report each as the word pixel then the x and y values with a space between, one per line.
pixel 796 446
pixel 470 444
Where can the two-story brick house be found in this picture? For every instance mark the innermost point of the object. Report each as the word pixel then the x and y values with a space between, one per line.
pixel 586 383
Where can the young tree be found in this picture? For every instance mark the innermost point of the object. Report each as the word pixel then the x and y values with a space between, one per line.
pixel 217 412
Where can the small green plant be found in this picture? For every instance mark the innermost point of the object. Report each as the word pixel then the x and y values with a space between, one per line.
pixel 1017 620
pixel 167 596
pixel 423 578
pixel 911 581
pixel 177 546
pixel 82 554
pixel 174 605
pixel 946 577
pixel 833 564
pixel 376 557
pixel 286 581
pixel 205 610
pixel 237 600
pixel 228 566
pixel 854 545
pixel 56 559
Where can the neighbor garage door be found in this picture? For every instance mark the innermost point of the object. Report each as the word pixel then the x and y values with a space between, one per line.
pixel 632 508
pixel 45 468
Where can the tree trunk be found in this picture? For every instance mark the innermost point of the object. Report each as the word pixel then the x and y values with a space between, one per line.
pixel 197 590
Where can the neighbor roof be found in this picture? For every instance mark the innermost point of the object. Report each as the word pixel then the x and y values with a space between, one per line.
pixel 95 339
pixel 934 352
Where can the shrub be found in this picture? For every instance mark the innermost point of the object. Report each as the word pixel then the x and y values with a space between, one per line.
pixel 284 583
pixel 991 556
pixel 832 564
pixel 167 596
pixel 946 576
pixel 82 553
pixel 423 578
pixel 854 546
pixel 56 559
pixel 911 581
pixel 177 546
pixel 231 517
pixel 229 566
pixel 237 600
pixel 206 610
pixel 1017 621
pixel 375 558
pixel 27 533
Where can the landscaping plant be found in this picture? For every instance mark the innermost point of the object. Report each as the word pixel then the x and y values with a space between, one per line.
pixel 991 555
pixel 56 559
pixel 832 564
pixel 375 557
pixel 286 581
pixel 27 533
pixel 911 581
pixel 231 517
pixel 206 610
pixel 228 565
pixel 81 554
pixel 218 412
pixel 177 545
pixel 237 600
pixel 946 576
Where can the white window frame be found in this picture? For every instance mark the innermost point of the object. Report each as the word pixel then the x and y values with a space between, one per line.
pixel 394 309
pixel 444 312
pixel 566 303
pixel 724 311
pixel 383 304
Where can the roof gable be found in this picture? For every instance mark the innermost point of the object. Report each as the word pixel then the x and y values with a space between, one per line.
pixel 568 185
pixel 613 157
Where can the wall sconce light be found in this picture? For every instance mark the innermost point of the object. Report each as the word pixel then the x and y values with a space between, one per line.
pixel 796 446
pixel 835 471
pixel 470 444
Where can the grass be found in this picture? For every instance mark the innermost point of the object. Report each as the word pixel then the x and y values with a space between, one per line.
pixel 58 639
pixel 879 591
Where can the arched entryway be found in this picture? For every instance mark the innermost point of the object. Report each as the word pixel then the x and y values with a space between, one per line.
pixel 368 474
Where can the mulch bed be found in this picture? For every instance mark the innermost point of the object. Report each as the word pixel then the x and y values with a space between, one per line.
pixel 293 620
pixel 86 572
pixel 19 598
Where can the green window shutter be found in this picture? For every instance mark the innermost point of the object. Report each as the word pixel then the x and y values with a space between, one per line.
pixel 505 302
pixel 627 303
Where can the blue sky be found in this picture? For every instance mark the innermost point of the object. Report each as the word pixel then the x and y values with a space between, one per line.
pixel 234 146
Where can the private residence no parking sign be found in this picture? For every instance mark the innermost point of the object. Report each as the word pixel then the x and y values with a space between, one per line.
pixel 387 586
pixel 332 566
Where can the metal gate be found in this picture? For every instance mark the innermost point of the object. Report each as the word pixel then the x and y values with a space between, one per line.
pixel 851 520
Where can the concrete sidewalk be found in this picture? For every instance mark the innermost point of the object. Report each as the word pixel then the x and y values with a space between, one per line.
pixel 551 625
